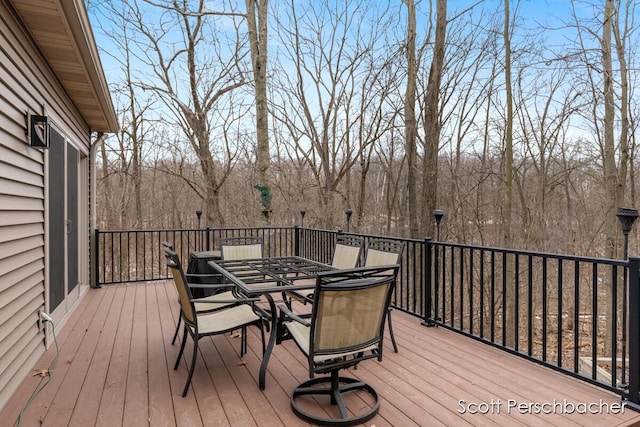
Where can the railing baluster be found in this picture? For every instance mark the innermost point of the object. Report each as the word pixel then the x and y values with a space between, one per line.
pixel 452 291
pixel 559 306
pixel 614 325
pixel 544 309
pixel 576 316
pixel 634 331
pixel 516 297
pixel 461 279
pixel 530 305
pixel 482 302
pixel 504 299
pixel 594 323
pixel 471 284
pixel 493 297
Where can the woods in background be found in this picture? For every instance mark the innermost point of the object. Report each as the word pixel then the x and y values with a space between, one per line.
pixel 519 124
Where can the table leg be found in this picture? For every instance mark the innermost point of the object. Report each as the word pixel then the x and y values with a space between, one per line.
pixel 270 344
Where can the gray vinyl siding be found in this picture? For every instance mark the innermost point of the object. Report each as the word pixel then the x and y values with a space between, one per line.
pixel 26 83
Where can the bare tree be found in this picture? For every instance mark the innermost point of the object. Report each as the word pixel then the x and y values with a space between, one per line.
pixel 257 24
pixel 509 308
pixel 469 75
pixel 324 46
pixel 192 75
pixel 432 120
pixel 410 123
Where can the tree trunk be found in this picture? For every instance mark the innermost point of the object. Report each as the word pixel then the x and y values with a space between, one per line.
pixel 258 43
pixel 410 124
pixel 432 122
pixel 508 180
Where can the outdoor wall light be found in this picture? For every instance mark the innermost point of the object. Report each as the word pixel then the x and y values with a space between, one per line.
pixel 38 131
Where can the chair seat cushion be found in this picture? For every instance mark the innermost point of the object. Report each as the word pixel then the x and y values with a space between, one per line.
pixel 301 335
pixel 211 303
pixel 226 320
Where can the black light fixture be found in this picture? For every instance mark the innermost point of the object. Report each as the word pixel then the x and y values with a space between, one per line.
pixel 302 214
pixel 38 131
pixel 438 214
pixel 199 233
pixel 626 216
pixel 348 213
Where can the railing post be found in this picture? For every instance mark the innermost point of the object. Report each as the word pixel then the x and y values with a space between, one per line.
pixel 208 234
pixel 634 331
pixel 296 240
pixel 428 284
pixel 94 262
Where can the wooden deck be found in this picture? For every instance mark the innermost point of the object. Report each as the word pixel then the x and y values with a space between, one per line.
pixel 116 368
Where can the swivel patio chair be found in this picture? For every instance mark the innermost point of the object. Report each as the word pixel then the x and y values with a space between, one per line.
pixel 199 325
pixel 383 252
pixel 345 328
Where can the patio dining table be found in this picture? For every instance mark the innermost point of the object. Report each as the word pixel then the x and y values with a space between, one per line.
pixel 268 276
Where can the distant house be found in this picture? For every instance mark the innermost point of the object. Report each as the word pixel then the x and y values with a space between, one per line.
pixel 51 77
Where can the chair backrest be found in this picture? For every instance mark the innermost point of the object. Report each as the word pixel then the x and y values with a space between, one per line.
pixel 347 251
pixel 180 280
pixel 243 247
pixel 383 252
pixel 348 314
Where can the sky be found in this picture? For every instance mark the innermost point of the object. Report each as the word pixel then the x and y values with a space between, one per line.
pixel 548 19
pixel 550 13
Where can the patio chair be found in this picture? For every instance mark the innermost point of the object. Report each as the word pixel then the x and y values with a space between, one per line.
pixel 347 251
pixel 345 328
pixel 346 254
pixel 242 247
pixel 199 325
pixel 384 252
pixel 206 304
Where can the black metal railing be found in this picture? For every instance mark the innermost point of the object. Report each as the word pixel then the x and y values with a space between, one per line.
pixel 578 315
pixel 566 312
pixel 408 296
pixel 124 256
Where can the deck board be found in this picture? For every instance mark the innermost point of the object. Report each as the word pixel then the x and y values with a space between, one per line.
pixel 94 384
pixel 116 368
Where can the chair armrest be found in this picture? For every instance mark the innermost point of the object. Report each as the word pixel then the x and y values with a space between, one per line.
pixel 211 285
pixel 285 314
pixel 228 301
pixel 204 275
pixel 308 298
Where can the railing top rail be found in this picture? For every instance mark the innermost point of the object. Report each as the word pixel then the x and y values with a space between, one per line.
pixel 566 257
pixel 365 235
pixel 168 230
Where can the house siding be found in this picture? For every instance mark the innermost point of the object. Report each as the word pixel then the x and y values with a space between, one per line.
pixel 26 84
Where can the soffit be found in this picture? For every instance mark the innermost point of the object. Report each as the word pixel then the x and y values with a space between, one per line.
pixel 62 30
